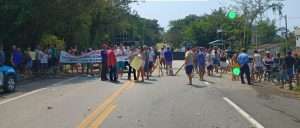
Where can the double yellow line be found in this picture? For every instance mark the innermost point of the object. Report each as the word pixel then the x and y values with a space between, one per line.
pixel 96 118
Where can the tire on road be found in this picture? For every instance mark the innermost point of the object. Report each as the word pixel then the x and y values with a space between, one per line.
pixel 9 83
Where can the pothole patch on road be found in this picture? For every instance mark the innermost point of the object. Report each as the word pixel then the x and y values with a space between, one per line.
pixel 49 107
pixel 120 117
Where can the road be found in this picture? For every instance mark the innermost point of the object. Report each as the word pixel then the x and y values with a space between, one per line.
pixel 162 102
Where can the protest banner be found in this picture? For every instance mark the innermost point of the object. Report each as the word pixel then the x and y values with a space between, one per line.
pixel 91 57
pixel 136 63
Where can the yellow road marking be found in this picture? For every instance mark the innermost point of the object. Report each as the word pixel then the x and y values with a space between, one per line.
pixel 101 109
pixel 103 116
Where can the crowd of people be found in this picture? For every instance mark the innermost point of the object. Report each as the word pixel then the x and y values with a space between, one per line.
pixel 40 61
pixel 113 68
pixel 257 67
pixel 29 61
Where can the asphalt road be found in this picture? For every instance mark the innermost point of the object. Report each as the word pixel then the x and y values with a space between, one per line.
pixel 162 102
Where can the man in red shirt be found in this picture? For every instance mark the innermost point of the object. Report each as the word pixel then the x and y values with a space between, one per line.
pixel 111 63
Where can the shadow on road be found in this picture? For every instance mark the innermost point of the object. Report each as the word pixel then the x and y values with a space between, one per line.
pixel 198 86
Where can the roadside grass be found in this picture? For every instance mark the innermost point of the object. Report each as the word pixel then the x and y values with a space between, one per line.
pixel 297 89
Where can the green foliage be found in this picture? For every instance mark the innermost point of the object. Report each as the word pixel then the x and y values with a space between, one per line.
pixel 51 40
pixel 81 23
pixel 266 31
pixel 200 30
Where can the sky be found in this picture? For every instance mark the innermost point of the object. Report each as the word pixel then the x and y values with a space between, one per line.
pixel 167 10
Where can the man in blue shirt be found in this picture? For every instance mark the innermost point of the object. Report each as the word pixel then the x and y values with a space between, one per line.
pixel 169 58
pixel 243 60
pixel 104 67
pixel 201 63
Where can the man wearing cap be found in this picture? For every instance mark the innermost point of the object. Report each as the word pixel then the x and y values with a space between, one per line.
pixel 243 60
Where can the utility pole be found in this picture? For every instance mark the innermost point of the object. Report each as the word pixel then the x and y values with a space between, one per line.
pixel 286 34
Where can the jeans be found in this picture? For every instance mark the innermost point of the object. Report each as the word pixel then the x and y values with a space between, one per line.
pixel 104 72
pixel 131 70
pixel 113 76
pixel 245 70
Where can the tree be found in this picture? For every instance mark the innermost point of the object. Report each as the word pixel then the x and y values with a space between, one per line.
pixel 252 9
pixel 81 23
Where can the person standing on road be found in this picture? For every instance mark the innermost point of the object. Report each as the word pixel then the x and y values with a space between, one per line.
pixel 290 62
pixel 209 63
pixel 189 62
pixel 112 65
pixel 216 59
pixel 120 62
pixel 223 64
pixel 278 63
pixel 201 63
pixel 297 69
pixel 131 54
pixel 169 60
pixel 152 59
pixel 147 62
pixel 258 66
pixel 234 64
pixel 141 71
pixel 17 58
pixel 268 62
pixel 104 63
pixel 243 60
pixel 162 58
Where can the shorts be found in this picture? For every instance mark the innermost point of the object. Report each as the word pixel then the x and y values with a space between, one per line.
pixel 168 62
pixel 162 60
pixel 120 65
pixel 216 62
pixel 210 67
pixel 201 68
pixel 283 75
pixel 151 64
pixel 29 65
pixel 189 69
pixel 259 69
pixel 223 65
pixel 146 67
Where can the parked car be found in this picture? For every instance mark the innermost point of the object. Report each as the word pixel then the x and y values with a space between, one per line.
pixel 8 77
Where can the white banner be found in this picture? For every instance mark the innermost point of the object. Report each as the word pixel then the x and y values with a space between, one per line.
pixel 91 57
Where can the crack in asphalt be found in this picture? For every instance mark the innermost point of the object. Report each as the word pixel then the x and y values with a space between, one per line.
pixel 294 118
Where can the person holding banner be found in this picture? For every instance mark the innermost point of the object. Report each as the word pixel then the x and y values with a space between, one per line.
pixel 120 62
pixel 131 55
